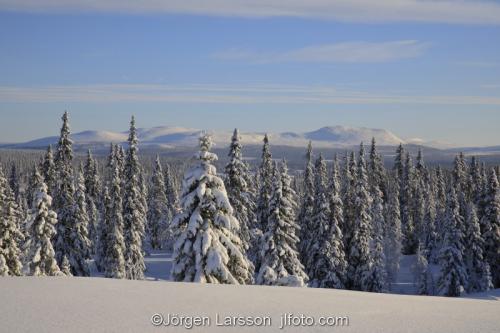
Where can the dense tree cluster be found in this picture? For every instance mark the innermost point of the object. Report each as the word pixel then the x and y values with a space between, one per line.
pixel 332 225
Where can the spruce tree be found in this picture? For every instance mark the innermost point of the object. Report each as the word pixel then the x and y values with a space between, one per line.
pixel 240 193
pixel 453 275
pixel 428 236
pixel 64 201
pixel 280 259
pixel 158 213
pixel 349 198
pixel 207 249
pixel 80 243
pixel 134 214
pixel 171 191
pixel 490 227
pixel 315 260
pixel 393 236
pixel 478 268
pixel 360 260
pixel 265 180
pixel 49 172
pixel 307 208
pixel 102 231
pixel 332 264
pixel 377 174
pixel 112 228
pixel 14 182
pixel 476 180
pixel 410 238
pixel 377 280
pixel 423 276
pixel 66 267
pixel 40 255
pixel 92 194
pixel 10 234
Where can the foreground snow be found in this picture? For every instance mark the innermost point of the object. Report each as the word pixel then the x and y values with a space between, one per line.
pixel 106 305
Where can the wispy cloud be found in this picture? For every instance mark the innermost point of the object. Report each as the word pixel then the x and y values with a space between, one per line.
pixel 346 52
pixel 448 11
pixel 222 94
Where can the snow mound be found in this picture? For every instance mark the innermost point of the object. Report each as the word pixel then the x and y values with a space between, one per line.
pixel 106 305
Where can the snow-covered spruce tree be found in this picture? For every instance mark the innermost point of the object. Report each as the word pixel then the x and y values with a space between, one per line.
pixel 360 259
pixel 49 171
pixel 478 268
pixel 171 191
pixel 102 231
pixel 92 194
pixel 105 208
pixel 40 255
pixel 476 182
pixel 280 259
pixel 406 198
pixel 428 237
pixel 134 214
pixel 332 264
pixel 307 209
pixel 377 174
pixel 418 207
pixel 14 182
pixel 4 270
pixel 313 260
pixel 207 249
pixel 393 236
pixel 113 243
pixel 423 276
pixel 377 281
pixel 265 183
pixel 319 218
pixel 462 182
pixel 399 166
pixel 158 213
pixel 64 201
pixel 453 275
pixel 348 199
pixel 241 195
pixel 440 194
pixel 421 171
pixel 10 235
pixel 80 243
pixel 66 267
pixel 490 227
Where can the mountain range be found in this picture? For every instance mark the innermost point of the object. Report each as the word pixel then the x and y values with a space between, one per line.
pixel 175 137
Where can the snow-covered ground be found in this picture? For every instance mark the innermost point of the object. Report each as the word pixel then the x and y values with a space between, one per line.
pixel 105 305
pixel 96 304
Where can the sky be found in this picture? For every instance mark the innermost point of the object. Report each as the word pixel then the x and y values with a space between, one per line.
pixel 421 69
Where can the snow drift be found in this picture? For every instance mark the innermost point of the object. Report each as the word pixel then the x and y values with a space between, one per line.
pixel 108 305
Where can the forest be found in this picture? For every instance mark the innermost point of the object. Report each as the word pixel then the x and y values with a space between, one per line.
pixel 341 222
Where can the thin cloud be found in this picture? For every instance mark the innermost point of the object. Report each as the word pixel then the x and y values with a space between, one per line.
pixel 222 94
pixel 347 52
pixel 445 11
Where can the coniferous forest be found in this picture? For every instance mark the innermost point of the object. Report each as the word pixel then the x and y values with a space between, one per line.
pixel 342 222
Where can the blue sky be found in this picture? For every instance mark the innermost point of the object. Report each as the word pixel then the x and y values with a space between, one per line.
pixel 419 69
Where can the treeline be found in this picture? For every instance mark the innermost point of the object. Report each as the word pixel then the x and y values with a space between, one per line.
pixel 338 224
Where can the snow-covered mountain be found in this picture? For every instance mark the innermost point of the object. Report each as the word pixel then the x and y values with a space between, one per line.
pixel 169 137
